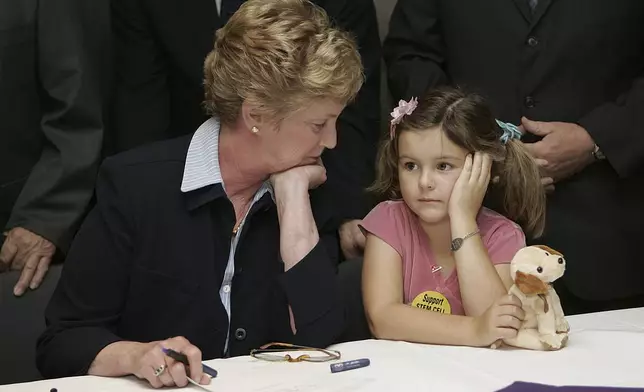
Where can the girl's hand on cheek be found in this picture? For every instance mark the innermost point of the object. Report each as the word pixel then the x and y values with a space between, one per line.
pixel 470 187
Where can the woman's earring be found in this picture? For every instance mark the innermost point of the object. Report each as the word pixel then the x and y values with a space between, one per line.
pixel 254 130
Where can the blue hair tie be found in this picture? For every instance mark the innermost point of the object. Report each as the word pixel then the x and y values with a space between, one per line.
pixel 510 131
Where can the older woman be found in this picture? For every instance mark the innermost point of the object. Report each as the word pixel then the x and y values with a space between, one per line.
pixel 207 244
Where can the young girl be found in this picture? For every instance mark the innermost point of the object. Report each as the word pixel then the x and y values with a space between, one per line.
pixel 436 265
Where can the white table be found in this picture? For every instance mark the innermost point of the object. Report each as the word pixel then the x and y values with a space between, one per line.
pixel 604 349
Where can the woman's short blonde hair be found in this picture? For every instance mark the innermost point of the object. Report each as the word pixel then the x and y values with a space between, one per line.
pixel 279 55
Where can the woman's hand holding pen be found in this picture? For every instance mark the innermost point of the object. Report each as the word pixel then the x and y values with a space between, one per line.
pixel 149 362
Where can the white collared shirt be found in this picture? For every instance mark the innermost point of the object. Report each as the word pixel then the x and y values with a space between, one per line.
pixel 201 170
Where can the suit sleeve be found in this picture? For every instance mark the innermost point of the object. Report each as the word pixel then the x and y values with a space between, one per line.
pixel 350 165
pixel 72 52
pixel 84 310
pixel 413 49
pixel 313 292
pixel 618 129
pixel 141 105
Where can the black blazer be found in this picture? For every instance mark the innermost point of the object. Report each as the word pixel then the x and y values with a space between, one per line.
pixel 576 61
pixel 53 70
pixel 148 262
pixel 161 46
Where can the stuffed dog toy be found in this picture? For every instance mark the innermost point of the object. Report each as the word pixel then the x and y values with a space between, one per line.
pixel 533 270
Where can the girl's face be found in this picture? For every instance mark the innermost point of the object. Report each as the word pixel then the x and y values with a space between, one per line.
pixel 428 166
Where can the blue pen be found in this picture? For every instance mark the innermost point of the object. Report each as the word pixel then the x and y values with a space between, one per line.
pixel 349 365
pixel 184 360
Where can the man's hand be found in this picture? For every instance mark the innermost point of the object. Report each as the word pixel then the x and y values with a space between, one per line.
pixel 29 252
pixel 352 240
pixel 566 149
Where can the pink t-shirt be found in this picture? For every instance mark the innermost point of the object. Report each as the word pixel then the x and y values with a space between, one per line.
pixel 398 226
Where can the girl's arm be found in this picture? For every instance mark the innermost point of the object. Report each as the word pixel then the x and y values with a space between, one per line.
pixel 481 282
pixel 390 318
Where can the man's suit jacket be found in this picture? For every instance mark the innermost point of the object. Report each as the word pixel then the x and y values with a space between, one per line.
pixel 160 48
pixel 53 67
pixel 579 61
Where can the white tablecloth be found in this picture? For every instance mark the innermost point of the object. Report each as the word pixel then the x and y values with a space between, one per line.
pixel 605 349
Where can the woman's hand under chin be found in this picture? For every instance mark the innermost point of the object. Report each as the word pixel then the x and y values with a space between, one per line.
pixel 470 187
pixel 307 177
pixel 298 232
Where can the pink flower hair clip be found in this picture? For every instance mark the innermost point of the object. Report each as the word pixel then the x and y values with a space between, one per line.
pixel 403 108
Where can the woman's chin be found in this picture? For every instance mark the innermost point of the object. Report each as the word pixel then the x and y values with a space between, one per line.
pixel 309 161
pixel 284 166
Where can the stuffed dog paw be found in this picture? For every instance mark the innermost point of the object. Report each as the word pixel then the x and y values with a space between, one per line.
pixel 534 269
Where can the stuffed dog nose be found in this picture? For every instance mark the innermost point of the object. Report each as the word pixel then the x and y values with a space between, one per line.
pixel 560 260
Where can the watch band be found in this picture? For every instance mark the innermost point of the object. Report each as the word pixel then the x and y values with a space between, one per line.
pixel 458 242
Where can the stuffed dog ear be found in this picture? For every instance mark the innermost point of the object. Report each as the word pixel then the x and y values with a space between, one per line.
pixel 549 250
pixel 530 284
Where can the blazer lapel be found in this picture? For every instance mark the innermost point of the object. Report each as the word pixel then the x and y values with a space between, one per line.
pixel 539 11
pixel 524 8
pixel 202 196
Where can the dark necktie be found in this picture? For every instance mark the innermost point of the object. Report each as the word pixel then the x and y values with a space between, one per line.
pixel 533 4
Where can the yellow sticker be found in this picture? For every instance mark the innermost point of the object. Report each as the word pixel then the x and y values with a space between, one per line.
pixel 433 301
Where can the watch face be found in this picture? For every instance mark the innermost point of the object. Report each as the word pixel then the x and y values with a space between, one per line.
pixel 456 244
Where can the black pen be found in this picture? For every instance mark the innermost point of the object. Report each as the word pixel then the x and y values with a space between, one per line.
pixel 179 357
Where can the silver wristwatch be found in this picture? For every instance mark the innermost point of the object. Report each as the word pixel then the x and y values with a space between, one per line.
pixel 458 242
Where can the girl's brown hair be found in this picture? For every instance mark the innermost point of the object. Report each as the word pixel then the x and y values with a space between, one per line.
pixel 467 121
